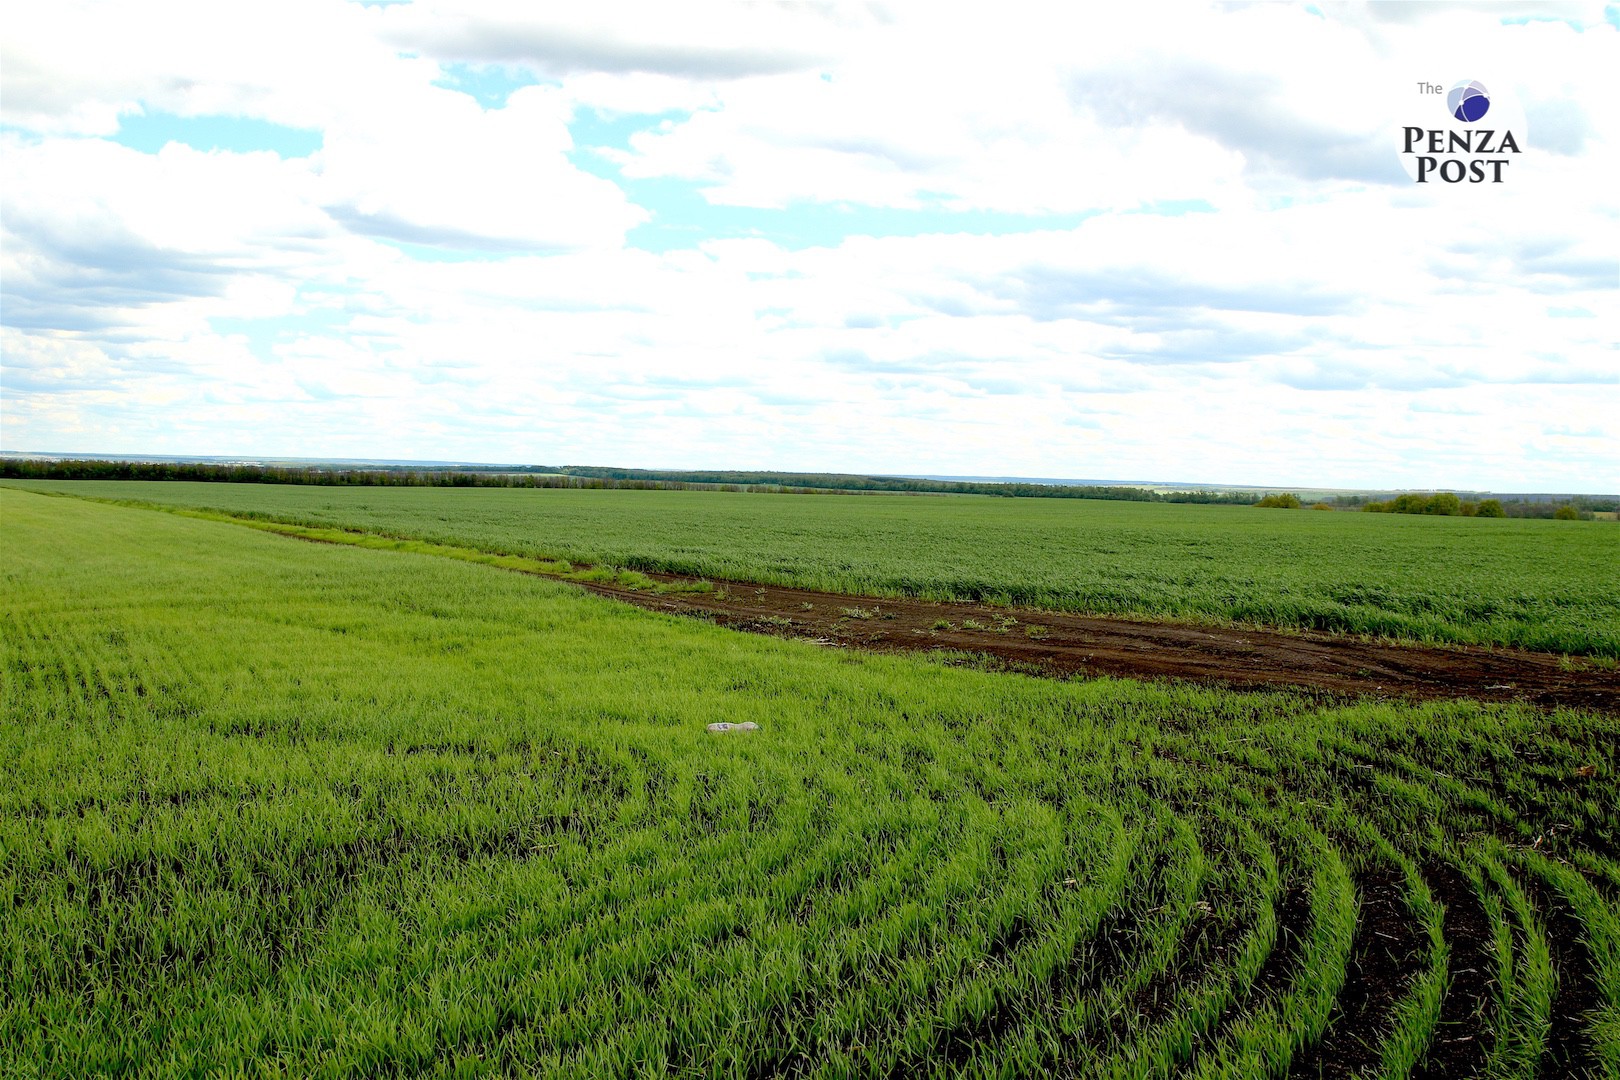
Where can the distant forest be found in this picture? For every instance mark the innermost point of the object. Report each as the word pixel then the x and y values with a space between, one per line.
pixel 576 476
pixel 542 476
pixel 1447 504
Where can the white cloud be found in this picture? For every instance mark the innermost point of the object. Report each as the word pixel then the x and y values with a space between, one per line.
pixel 435 168
pixel 73 67
pixel 402 158
pixel 692 40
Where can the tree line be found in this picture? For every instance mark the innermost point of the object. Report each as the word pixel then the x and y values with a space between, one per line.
pixel 1444 503
pixel 580 477
pixel 585 476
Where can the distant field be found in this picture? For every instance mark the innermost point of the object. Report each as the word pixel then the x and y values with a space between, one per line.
pixel 277 808
pixel 1546 585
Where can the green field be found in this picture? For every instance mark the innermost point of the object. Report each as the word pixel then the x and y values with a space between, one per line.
pixel 1545 585
pixel 276 808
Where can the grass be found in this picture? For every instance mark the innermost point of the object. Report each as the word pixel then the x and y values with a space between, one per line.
pixel 335 809
pixel 1533 584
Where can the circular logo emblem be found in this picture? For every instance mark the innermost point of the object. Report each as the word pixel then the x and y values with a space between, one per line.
pixel 1468 101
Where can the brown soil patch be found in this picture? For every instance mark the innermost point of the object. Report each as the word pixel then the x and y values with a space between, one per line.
pixel 1060 644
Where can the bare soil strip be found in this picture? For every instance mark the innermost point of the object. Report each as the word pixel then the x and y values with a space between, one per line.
pixel 1059 644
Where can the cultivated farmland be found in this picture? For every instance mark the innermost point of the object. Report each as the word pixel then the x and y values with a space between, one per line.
pixel 275 807
pixel 1549 586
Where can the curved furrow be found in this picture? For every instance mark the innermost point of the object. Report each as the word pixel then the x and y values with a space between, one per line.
pixel 1108 975
pixel 554 1015
pixel 1346 1037
pixel 1220 966
pixel 849 897
pixel 1602 874
pixel 1289 1002
pixel 890 983
pixel 1382 776
pixel 607 934
pixel 1389 1010
pixel 988 1009
pixel 1413 1020
pixel 1584 935
pixel 1525 968
pixel 1465 1030
pixel 1385 1012
pixel 1076 972
pixel 1553 814
pixel 691 926
pixel 1547 993
pixel 991 948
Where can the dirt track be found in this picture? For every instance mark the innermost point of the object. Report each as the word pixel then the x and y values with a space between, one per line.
pixel 1059 644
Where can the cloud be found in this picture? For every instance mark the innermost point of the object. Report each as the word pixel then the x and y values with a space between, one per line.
pixel 1300 111
pixel 401 158
pixel 437 169
pixel 696 41
pixel 93 229
pixel 1560 126
pixel 291 64
pixel 1028 114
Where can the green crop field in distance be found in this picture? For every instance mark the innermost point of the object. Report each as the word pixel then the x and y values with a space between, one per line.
pixel 281 808
pixel 1547 585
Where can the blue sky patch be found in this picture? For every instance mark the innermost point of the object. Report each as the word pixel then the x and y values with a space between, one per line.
pixel 1573 24
pixel 264 334
pixel 434 253
pixel 683 218
pixel 1175 207
pixel 150 132
pixel 488 84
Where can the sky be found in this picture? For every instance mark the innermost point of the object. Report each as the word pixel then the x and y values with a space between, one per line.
pixel 1173 242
